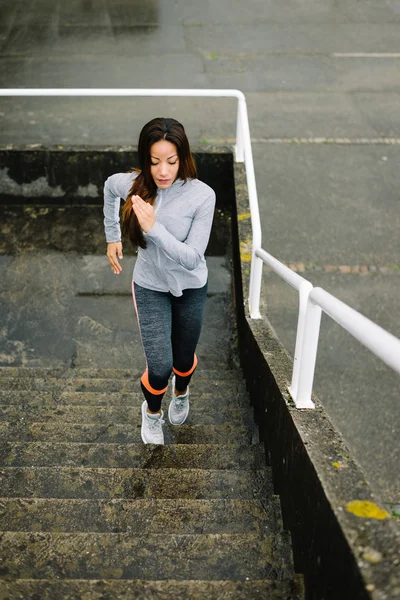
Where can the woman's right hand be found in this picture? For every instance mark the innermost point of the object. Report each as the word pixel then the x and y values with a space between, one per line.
pixel 114 250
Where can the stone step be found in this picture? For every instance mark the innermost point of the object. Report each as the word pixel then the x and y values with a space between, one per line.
pixel 193 456
pixel 225 386
pixel 124 433
pixel 78 589
pixel 202 415
pixel 84 482
pixel 150 557
pixel 51 398
pixel 217 371
pixel 141 516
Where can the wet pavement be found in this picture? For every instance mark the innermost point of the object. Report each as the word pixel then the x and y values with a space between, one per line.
pixel 322 204
pixel 54 259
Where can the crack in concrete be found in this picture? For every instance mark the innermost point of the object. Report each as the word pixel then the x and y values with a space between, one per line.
pixel 102 433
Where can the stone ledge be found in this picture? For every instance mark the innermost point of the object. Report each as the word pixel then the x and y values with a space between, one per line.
pixel 340 554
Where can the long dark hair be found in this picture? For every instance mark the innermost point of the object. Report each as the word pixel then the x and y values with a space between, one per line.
pixel 143 185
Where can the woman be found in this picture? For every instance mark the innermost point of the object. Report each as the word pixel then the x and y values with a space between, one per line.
pixel 168 215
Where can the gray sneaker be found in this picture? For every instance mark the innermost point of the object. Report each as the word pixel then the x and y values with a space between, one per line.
pixel 179 407
pixel 152 431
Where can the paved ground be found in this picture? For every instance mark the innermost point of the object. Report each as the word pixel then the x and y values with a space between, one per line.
pixel 324 205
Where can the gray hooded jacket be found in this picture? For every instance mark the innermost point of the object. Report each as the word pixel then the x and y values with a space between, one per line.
pixel 174 257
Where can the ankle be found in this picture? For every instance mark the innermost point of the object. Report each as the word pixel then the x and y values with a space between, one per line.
pixel 177 393
pixel 150 412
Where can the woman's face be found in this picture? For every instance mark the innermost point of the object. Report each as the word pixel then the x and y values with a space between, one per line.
pixel 164 163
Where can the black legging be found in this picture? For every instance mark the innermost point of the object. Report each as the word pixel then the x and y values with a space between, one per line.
pixel 170 329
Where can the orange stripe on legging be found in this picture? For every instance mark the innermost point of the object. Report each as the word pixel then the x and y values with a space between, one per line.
pixel 187 372
pixel 146 383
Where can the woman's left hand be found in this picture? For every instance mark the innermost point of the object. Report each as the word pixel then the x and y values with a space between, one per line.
pixel 144 212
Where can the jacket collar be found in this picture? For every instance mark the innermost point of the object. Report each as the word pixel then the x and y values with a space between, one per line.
pixel 175 186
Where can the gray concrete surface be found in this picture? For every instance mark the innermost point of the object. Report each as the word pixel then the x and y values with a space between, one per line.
pixel 89 317
pixel 321 205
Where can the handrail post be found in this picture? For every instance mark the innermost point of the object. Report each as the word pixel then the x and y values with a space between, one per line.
pixel 239 146
pixel 304 291
pixel 256 263
pixel 255 285
pixel 308 355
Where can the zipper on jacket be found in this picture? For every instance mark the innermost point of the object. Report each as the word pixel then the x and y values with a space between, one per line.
pixel 156 209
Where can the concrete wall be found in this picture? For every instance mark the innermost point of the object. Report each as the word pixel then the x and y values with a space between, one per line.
pixel 342 555
pixel 75 176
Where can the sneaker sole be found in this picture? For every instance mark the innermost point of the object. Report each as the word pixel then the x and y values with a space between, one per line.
pixel 141 431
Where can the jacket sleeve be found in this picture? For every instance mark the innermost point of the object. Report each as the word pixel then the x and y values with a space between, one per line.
pixel 116 188
pixel 190 252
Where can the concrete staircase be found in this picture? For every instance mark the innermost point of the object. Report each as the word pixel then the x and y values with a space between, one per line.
pixel 88 511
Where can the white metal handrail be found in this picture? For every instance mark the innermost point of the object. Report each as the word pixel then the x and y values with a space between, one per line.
pixel 311 303
pixel 311 300
pixel 382 343
pixel 243 151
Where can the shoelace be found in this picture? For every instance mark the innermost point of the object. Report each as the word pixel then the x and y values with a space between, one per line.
pixel 155 424
pixel 179 403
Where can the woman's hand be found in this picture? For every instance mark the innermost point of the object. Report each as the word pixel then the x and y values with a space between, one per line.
pixel 114 249
pixel 144 212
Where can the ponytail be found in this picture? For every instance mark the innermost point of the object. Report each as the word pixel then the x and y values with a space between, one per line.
pixel 129 221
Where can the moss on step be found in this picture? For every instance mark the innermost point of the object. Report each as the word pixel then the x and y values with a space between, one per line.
pixel 141 516
pixel 69 482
